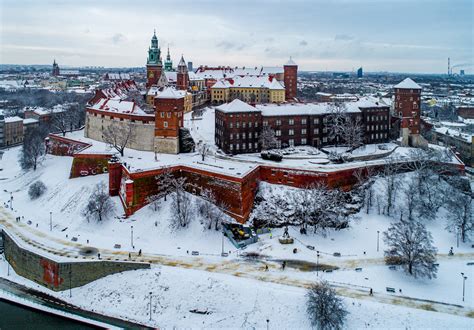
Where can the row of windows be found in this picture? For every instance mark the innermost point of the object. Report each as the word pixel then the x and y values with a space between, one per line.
pixel 244 136
pixel 376 127
pixel 243 146
pixel 377 136
pixel 374 118
pixel 244 124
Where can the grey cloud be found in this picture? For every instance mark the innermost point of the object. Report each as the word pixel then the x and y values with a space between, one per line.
pixel 118 38
pixel 343 37
pixel 303 43
pixel 227 45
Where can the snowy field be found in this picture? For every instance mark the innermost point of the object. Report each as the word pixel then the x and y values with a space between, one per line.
pixel 231 302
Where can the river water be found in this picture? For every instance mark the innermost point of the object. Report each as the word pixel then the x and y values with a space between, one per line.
pixel 13 316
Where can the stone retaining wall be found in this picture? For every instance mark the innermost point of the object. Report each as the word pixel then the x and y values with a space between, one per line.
pixel 56 275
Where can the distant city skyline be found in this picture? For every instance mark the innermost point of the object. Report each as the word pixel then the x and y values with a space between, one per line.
pixel 338 35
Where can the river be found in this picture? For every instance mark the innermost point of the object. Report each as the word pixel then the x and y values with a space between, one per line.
pixel 13 316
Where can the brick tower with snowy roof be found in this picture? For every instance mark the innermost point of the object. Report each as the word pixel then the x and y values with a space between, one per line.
pixel 290 71
pixel 182 77
pixel 407 108
pixel 169 117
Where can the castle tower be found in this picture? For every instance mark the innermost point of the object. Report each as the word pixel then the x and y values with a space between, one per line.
pixel 290 72
pixel 55 71
pixel 154 67
pixel 182 77
pixel 168 62
pixel 169 117
pixel 407 108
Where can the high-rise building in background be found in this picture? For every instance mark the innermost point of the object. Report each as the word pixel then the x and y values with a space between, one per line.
pixel 190 66
pixel 360 72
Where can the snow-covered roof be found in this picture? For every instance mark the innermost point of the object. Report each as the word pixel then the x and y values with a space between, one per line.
pixel 272 70
pixel 407 84
pixel 171 76
pixel 237 106
pixel 250 82
pixel 119 106
pixel 118 76
pixel 28 121
pixel 454 133
pixel 13 119
pixel 171 93
pixel 291 109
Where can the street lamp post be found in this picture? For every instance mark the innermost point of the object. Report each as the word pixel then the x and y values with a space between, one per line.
pixel 70 282
pixel 222 254
pixel 11 201
pixel 378 233
pixel 50 221
pixel 464 278
pixel 317 264
pixel 131 236
pixel 268 324
pixel 150 304
pixel 457 237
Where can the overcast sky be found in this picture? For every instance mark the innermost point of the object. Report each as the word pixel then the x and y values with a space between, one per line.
pixel 379 35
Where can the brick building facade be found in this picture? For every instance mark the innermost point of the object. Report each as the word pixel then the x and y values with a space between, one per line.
pixel 238 125
pixel 407 108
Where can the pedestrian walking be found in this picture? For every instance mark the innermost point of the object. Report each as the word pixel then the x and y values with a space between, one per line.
pixel 140 252
pixel 283 265
pixel 371 292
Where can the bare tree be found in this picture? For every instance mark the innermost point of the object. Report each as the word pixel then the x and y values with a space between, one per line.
pixel 411 198
pixel 33 148
pixel 119 135
pixel 61 121
pixel 411 245
pixel 461 219
pixel 336 119
pixel 165 182
pixel 182 207
pixel 325 309
pixel 390 181
pixel 203 149
pixel 211 210
pixel 99 205
pixel 267 138
pixel 352 132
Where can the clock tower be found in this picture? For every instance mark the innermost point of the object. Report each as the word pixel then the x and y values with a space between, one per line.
pixel 154 66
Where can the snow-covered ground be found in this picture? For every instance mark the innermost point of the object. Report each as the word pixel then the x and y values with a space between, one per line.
pixel 231 302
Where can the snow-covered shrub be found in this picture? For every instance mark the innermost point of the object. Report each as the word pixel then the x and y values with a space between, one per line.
pixel 325 309
pixel 36 189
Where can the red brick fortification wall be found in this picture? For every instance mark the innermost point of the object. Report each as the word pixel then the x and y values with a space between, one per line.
pixel 61 146
pixel 89 164
pixel 237 193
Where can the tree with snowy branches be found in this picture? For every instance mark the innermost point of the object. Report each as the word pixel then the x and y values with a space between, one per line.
pixel 99 205
pixel 33 149
pixel 119 135
pixel 182 207
pixel 325 309
pixel 410 244
pixel 460 208
pixel 267 138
